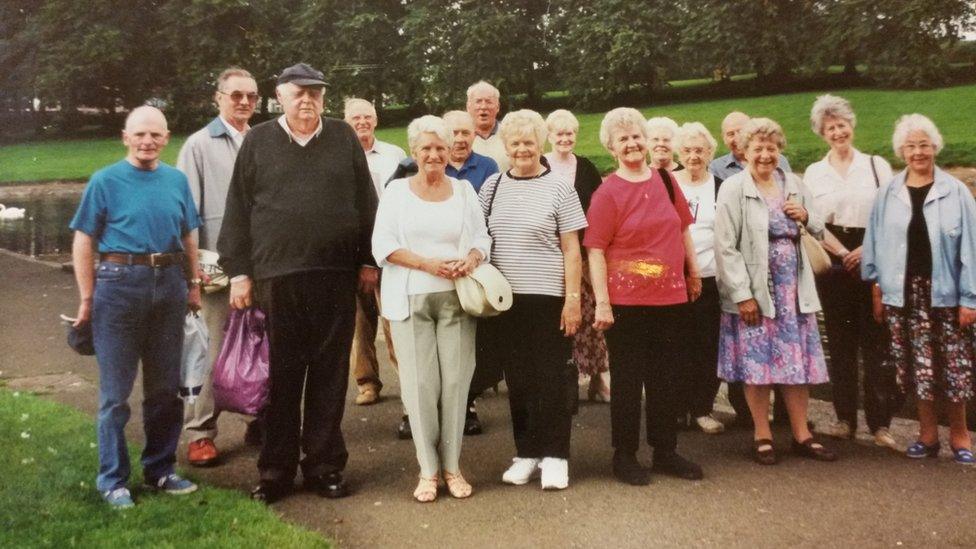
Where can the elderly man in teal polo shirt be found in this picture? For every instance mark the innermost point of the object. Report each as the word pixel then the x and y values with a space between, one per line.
pixel 139 214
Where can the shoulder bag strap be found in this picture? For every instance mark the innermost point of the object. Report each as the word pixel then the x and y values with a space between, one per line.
pixel 666 178
pixel 874 170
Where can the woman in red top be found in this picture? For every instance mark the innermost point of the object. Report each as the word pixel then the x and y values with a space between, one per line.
pixel 642 262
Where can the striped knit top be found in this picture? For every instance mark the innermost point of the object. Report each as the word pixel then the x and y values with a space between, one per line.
pixel 527 217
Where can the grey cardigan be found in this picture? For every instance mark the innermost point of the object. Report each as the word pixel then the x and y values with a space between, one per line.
pixel 742 245
pixel 207 159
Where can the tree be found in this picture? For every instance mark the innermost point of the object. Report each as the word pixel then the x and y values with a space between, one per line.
pixel 454 43
pixel 609 48
pixel 904 42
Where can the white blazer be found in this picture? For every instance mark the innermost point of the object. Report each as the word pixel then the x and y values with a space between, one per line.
pixel 388 237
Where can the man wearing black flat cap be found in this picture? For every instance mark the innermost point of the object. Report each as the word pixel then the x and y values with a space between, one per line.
pixel 296 243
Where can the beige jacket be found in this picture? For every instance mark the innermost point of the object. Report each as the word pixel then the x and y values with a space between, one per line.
pixel 742 245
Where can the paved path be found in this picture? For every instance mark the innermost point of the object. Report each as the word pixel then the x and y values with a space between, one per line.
pixel 871 498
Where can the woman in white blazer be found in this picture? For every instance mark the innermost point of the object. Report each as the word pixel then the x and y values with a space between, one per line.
pixel 429 231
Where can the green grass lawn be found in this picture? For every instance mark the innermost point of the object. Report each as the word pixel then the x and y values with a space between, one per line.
pixel 47 498
pixel 950 108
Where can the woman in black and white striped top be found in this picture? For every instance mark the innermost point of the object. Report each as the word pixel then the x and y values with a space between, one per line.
pixel 534 217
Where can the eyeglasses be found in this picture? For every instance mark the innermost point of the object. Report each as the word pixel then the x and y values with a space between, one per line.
pixel 696 150
pixel 237 96
pixel 918 147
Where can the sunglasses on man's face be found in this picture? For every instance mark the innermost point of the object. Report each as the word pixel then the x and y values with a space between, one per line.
pixel 237 96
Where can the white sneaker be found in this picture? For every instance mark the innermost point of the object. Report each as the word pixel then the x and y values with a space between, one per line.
pixel 710 425
pixel 882 437
pixel 555 473
pixel 522 471
pixel 837 429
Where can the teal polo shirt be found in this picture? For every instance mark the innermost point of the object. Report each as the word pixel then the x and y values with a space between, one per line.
pixel 130 210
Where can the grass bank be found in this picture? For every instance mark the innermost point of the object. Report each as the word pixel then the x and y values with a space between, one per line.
pixel 877 111
pixel 47 469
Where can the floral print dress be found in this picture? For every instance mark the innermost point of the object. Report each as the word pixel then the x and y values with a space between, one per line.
pixel 784 350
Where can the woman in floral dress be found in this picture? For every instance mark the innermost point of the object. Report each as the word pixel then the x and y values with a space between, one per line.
pixel 769 333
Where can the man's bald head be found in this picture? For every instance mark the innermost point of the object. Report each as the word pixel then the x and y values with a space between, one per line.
pixel 145 135
pixel 731 124
pixel 144 114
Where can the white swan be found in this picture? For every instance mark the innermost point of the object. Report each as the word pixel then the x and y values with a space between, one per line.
pixel 11 213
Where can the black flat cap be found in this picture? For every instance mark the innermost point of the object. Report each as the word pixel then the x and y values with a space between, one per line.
pixel 80 339
pixel 302 75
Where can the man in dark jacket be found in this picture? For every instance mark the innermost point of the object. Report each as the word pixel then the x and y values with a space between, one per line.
pixel 296 232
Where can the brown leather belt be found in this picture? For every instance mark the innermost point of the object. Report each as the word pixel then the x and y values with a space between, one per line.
pixel 151 260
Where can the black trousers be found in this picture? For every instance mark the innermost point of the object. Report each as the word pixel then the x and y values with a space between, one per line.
pixel 534 354
pixel 311 319
pixel 851 328
pixel 699 349
pixel 644 347
pixel 488 370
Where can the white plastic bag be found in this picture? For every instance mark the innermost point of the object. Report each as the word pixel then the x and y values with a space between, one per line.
pixel 194 367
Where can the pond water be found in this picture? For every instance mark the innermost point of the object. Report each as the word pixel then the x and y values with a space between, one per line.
pixel 44 228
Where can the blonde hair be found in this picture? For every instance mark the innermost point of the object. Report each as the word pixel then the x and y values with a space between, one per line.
pixel 561 119
pixel 762 128
pixel 618 119
pixel 518 121
pixel 690 130
pixel 429 124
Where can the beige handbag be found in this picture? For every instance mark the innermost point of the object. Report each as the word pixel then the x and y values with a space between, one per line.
pixel 819 260
pixel 485 292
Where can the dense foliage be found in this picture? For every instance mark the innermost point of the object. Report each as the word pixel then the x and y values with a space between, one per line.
pixel 421 54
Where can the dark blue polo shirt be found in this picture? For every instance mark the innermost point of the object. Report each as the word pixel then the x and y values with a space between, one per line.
pixel 475 170
pixel 130 210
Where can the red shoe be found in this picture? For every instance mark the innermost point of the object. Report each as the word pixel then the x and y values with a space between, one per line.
pixel 202 453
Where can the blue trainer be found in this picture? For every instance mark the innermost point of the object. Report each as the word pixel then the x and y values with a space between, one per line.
pixel 172 484
pixel 964 456
pixel 119 498
pixel 919 450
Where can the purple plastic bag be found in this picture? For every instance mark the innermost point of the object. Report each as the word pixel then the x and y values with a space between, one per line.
pixel 240 374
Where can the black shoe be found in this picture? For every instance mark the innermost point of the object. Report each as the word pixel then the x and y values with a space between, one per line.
pixel 670 463
pixel 403 429
pixel 253 435
pixel 270 491
pixel 472 425
pixel 328 486
pixel 629 471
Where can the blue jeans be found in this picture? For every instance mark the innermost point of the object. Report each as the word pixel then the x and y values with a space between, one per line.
pixel 138 314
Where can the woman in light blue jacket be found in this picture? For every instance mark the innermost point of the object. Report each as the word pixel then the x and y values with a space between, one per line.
pixel 920 250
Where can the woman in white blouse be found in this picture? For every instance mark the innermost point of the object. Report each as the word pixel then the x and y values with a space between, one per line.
pixel 844 185
pixel 429 231
pixel 696 149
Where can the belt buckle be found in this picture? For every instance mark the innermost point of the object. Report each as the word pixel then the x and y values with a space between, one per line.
pixel 154 259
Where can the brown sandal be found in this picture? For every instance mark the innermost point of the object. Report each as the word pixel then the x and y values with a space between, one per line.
pixel 426 491
pixel 761 456
pixel 457 486
pixel 813 450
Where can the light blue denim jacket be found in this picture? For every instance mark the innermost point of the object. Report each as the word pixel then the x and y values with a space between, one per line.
pixel 950 215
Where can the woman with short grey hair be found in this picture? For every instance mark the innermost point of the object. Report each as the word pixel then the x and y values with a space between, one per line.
pixel 589 345
pixel 429 231
pixel 696 148
pixel 844 185
pixel 644 271
pixel 918 250
pixel 661 132
pixel 769 334
pixel 534 215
